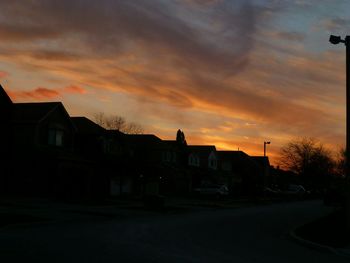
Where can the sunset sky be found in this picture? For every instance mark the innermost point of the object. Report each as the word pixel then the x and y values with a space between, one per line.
pixel 231 73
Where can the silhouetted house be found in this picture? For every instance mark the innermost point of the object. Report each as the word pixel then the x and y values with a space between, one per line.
pixel 5 137
pixel 281 179
pixel 42 160
pixel 90 139
pixel 239 171
pixel 98 147
pixel 42 149
pixel 5 108
pixel 174 160
pixel 203 156
pixel 146 151
pixel 157 163
pixel 264 165
pixel 121 164
pixel 46 125
pixel 203 164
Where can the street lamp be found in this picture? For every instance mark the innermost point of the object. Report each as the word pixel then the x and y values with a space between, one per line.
pixel 265 147
pixel 336 40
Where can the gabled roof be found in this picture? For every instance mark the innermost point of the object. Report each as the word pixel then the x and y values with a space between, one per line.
pixel 203 151
pixel 33 112
pixel 4 98
pixel 238 158
pixel 232 155
pixel 201 148
pixel 87 126
pixel 171 144
pixel 146 141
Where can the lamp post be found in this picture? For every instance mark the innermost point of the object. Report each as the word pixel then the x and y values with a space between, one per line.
pixel 336 40
pixel 265 147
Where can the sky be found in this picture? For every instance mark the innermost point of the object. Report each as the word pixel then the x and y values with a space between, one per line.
pixel 230 73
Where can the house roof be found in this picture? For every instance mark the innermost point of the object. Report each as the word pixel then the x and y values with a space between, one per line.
pixel 4 98
pixel 143 140
pixel 33 112
pixel 233 156
pixel 238 158
pixel 87 126
pixel 171 144
pixel 203 151
pixel 116 132
pixel 201 148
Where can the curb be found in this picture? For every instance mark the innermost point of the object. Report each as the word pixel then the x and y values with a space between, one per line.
pixel 319 247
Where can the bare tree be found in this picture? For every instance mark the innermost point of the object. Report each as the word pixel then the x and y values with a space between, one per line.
pixel 116 122
pixel 340 163
pixel 309 159
pixel 133 128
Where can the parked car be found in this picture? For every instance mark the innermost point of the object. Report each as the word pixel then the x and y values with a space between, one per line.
pixel 296 190
pixel 271 192
pixel 212 190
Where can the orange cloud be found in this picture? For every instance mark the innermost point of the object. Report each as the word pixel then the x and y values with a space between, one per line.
pixel 42 93
pixel 36 94
pixel 3 74
pixel 74 89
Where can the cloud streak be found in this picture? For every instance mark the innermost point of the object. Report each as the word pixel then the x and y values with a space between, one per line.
pixel 41 93
pixel 3 74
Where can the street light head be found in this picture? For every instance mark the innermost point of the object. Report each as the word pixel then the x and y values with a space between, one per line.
pixel 335 39
pixel 267 142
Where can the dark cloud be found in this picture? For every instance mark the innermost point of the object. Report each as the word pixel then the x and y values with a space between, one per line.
pixel 13 32
pixel 336 24
pixel 55 55
pixel 113 27
pixel 289 36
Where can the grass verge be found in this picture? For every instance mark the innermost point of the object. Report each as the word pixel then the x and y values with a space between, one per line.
pixel 329 230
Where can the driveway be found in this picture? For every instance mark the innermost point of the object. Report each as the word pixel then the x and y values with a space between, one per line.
pixel 254 234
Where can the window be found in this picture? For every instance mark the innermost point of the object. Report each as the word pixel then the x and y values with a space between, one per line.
pixel 55 137
pixel 193 160
pixel 212 163
pixel 168 156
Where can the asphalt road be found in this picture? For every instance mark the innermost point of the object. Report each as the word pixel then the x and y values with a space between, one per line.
pixel 254 234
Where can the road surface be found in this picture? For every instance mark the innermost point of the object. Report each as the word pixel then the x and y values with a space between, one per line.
pixel 253 234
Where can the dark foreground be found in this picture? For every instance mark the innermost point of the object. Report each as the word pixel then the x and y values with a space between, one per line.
pixel 253 234
pixel 329 230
